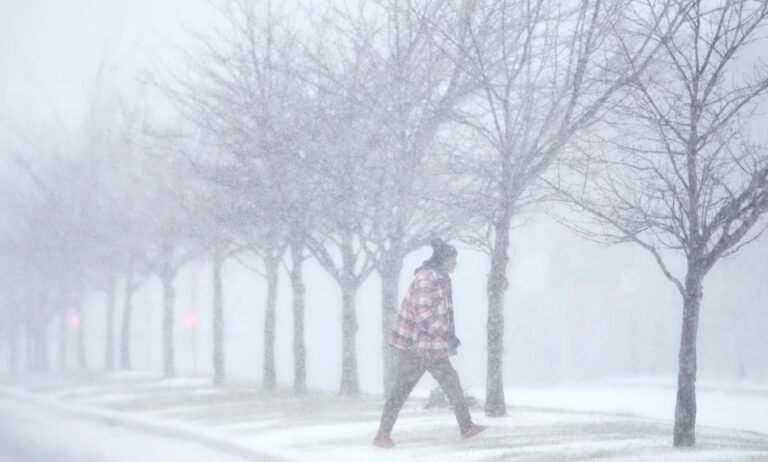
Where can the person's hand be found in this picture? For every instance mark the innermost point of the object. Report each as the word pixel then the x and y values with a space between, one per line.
pixel 453 341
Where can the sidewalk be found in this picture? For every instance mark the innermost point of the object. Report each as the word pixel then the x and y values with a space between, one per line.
pixel 34 433
pixel 323 427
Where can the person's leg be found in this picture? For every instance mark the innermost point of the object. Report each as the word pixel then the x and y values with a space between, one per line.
pixel 408 373
pixel 448 379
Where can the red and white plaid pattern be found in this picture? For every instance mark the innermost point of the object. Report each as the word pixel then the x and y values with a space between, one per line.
pixel 424 320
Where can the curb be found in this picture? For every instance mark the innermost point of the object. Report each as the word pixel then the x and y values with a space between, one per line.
pixel 179 431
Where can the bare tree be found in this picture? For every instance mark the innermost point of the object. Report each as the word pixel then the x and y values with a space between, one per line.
pixel 340 174
pixel 49 240
pixel 166 230
pixel 128 243
pixel 298 301
pixel 683 174
pixel 127 319
pixel 381 74
pixel 546 71
pixel 411 81
pixel 338 241
pixel 69 228
pixel 240 99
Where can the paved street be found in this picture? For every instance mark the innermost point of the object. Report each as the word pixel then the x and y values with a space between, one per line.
pixel 31 434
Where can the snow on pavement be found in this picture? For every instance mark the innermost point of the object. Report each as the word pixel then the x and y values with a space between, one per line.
pixel 606 422
pixel 32 434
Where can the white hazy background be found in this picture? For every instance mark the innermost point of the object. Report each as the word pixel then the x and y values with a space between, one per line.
pixel 575 311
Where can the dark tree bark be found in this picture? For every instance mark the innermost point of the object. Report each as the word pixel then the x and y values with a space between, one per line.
pixel 299 347
pixel 169 296
pixel 13 347
pixel 391 267
pixel 125 331
pixel 685 407
pixel 349 279
pixel 349 381
pixel 495 405
pixel 37 348
pixel 28 348
pixel 109 360
pixel 63 339
pixel 42 354
pixel 219 366
pixel 269 378
pixel 81 359
pixel 350 386
pixel 32 350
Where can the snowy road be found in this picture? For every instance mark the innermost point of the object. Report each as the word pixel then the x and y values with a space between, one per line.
pixel 31 434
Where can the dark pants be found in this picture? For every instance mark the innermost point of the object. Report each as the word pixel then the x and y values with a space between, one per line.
pixel 410 369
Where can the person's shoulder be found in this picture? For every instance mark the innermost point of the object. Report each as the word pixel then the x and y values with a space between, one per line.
pixel 431 273
pixel 427 274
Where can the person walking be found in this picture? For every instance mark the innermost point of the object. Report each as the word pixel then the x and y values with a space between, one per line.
pixel 424 337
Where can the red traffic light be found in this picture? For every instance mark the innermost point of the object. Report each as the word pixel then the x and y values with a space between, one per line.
pixel 190 320
pixel 73 320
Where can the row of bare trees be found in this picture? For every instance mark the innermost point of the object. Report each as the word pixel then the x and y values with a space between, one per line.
pixel 354 134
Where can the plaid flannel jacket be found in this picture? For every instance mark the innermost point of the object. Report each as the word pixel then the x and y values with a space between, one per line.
pixel 425 319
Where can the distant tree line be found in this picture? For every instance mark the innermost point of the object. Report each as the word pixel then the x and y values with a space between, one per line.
pixel 353 135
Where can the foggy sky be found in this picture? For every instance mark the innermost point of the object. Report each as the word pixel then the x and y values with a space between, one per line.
pixel 50 55
pixel 51 52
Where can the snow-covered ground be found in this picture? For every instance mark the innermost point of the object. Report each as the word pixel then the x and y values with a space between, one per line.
pixel 607 421
pixel 736 406
pixel 34 434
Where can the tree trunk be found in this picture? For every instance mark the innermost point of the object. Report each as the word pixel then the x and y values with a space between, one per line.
pixel 299 348
pixel 81 360
pixel 685 407
pixel 349 383
pixel 13 346
pixel 38 344
pixel 33 350
pixel 349 386
pixel 391 267
pixel 63 343
pixel 29 349
pixel 495 405
pixel 169 295
pixel 42 344
pixel 125 331
pixel 219 369
pixel 109 360
pixel 632 360
pixel 270 324
pixel 29 339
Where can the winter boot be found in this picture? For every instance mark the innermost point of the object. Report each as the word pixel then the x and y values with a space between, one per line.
pixel 474 430
pixel 383 441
